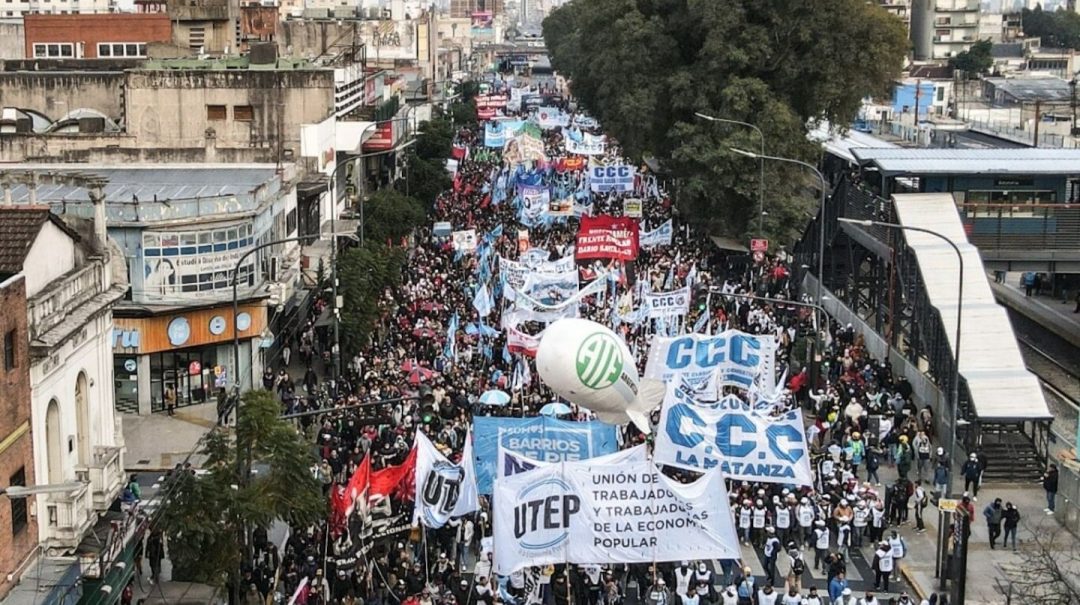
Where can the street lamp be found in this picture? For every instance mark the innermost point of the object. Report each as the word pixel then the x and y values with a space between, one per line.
pixel 821 208
pixel 816 359
pixel 955 395
pixel 761 176
pixel 26 491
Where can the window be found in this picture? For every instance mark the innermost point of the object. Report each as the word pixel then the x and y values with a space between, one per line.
pixel 19 518
pixel 243 113
pixel 215 112
pixel 9 350
pixel 121 49
pixel 52 51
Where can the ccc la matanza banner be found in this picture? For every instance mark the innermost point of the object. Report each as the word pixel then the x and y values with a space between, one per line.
pixel 730 436
pixel 582 512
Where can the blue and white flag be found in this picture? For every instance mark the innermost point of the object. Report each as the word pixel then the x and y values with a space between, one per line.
pixel 482 302
pixel 451 340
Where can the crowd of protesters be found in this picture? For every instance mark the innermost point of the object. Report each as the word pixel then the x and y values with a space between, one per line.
pixel 861 417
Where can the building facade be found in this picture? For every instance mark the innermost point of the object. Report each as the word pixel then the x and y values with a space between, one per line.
pixel 18 528
pixel 72 283
pixel 181 232
pixel 17 9
pixel 100 36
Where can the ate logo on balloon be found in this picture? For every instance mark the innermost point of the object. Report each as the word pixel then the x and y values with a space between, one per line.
pixel 599 361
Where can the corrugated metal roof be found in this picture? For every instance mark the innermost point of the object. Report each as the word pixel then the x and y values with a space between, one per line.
pixel 902 160
pixel 1000 385
pixel 127 184
pixel 842 145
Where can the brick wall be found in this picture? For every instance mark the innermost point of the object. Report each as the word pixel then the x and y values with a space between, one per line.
pixel 16 446
pixel 92 29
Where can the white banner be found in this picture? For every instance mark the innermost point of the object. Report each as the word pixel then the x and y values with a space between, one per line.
pixel 552 117
pixel 661 236
pixel 585 144
pixel 512 463
pixel 549 289
pixel 738 357
pixel 668 304
pixel 729 434
pixel 464 240
pixel 632 207
pixel 443 489
pixel 516 272
pixel 587 513
pixel 522 343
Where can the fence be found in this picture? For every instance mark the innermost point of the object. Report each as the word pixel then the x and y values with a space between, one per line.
pixel 1067 506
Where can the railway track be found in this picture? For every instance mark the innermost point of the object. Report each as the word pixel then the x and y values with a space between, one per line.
pixel 1061 385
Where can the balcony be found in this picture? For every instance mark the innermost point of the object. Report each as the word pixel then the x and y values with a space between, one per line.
pixel 106 476
pixel 50 306
pixel 67 519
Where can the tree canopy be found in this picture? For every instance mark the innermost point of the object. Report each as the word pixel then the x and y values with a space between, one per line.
pixel 391 215
pixel 205 513
pixel 974 61
pixel 644 67
pixel 1057 29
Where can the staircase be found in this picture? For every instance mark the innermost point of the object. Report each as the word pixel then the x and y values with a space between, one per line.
pixel 1011 454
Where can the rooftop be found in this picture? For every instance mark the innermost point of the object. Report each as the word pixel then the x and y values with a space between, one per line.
pixel 21 227
pixel 1029 90
pixel 139 194
pixel 228 64
pixel 1029 161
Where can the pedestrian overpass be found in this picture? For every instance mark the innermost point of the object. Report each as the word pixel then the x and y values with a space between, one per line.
pixel 900 287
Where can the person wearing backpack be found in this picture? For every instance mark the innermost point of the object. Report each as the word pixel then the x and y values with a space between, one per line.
pixel 797 566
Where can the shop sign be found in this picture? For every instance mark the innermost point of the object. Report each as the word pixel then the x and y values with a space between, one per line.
pixel 194 368
pixel 125 339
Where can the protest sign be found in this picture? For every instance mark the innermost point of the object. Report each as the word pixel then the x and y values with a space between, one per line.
pixel 607 237
pixel 668 304
pixel 737 357
pixel 539 438
pixel 632 207
pixel 464 241
pixel 728 434
pixel 661 236
pixel 582 512
pixel 443 489
pixel 618 177
pixel 587 144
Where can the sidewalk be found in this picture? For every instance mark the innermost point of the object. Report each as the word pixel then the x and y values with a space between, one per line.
pixel 159 442
pixel 1048 311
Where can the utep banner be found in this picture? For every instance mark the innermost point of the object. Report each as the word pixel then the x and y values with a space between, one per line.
pixel 661 236
pixel 515 464
pixel 607 237
pixel 737 357
pixel 542 438
pixel 619 177
pixel 582 512
pixel 728 434
pixel 668 304
pixel 443 489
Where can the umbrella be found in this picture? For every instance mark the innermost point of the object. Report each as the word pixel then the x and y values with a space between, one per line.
pixel 409 365
pixel 555 408
pixel 419 374
pixel 424 333
pixel 495 397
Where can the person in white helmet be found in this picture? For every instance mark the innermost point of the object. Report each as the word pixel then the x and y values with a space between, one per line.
pixel 760 520
pixel 729 596
pixel 805 516
pixel 745 514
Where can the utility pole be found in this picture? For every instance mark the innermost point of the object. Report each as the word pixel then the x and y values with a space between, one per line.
pixel 1038 118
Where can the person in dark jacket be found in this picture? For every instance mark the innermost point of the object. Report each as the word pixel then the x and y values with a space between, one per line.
pixel 994 514
pixel 1050 484
pixel 1011 517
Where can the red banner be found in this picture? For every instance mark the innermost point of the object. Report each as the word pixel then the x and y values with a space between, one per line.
pixel 522 343
pixel 483 114
pixel 607 237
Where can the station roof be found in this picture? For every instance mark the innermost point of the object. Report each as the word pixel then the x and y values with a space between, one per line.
pixel 907 161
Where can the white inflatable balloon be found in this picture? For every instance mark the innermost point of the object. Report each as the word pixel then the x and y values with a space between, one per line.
pixel 589 365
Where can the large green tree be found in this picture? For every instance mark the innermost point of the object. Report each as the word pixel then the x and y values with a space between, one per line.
pixel 425 179
pixel 205 514
pixel 365 273
pixel 1058 29
pixel 391 215
pixel 644 67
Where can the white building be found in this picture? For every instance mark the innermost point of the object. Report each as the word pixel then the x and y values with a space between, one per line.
pixel 72 282
pixel 15 9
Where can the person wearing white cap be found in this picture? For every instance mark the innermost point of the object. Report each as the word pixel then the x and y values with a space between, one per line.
pixel 658 594
pixel 729 596
pixel 846 598
pixel 882 566
pixel 805 516
pixel 821 544
pixel 868 599
pixel 703 580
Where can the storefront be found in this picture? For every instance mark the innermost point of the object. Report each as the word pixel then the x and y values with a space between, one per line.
pixel 187 353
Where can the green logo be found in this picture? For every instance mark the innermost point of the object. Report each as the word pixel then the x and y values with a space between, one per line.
pixel 599 361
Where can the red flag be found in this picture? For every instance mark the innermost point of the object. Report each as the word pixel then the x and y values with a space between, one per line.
pixel 356 486
pixel 388 480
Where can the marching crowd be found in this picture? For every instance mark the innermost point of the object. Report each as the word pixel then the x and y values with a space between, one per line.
pixel 862 419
